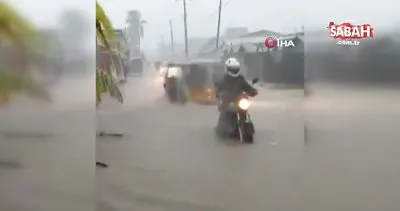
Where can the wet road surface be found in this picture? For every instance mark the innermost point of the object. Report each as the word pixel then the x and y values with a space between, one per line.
pixel 352 153
pixel 170 158
pixel 47 151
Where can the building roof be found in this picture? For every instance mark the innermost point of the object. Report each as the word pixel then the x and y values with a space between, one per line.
pixel 196 61
pixel 209 44
pixel 257 39
pixel 250 42
pixel 214 54
pixel 263 33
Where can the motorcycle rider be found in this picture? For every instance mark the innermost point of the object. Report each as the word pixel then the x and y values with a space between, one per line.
pixel 229 90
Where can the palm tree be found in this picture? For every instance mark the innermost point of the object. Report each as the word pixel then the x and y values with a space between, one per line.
pixel 16 33
pixel 105 82
pixel 13 26
pixel 135 30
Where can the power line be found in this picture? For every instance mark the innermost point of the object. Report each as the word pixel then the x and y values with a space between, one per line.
pixel 210 15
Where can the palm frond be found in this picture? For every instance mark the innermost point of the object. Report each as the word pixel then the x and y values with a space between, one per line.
pixel 105 82
pixel 15 27
pixel 12 82
pixel 19 32
pixel 104 22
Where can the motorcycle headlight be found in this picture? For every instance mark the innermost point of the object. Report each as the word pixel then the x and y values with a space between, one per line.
pixel 244 104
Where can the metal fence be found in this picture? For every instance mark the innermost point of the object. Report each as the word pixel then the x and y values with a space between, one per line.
pixel 283 66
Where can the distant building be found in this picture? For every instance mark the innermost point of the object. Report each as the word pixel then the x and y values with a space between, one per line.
pixel 195 44
pixel 231 32
pixel 250 41
pixel 120 41
pixel 235 32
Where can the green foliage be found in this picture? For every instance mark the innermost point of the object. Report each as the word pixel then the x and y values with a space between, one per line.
pixel 104 27
pixel 15 27
pixel 19 32
pixel 12 83
pixel 105 82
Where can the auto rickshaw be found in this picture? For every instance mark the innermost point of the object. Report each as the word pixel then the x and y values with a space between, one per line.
pixel 174 84
pixel 162 69
pixel 200 77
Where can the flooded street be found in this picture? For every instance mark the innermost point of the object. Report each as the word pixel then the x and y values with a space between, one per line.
pixel 170 159
pixel 47 152
pixel 351 153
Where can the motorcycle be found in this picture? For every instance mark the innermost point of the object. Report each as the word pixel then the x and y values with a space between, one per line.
pixel 241 124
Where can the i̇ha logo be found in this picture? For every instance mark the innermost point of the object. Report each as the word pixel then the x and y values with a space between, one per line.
pixel 350 34
pixel 272 42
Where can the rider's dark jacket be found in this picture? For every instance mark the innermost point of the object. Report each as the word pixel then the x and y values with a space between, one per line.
pixel 230 88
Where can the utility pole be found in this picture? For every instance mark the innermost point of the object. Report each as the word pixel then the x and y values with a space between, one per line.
pixel 219 23
pixel 172 36
pixel 139 44
pixel 185 26
pixel 185 22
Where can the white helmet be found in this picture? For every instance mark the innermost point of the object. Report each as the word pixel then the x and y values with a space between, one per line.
pixel 232 66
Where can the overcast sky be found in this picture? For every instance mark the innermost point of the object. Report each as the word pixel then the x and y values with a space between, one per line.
pixel 202 16
pixel 282 15
pixel 47 13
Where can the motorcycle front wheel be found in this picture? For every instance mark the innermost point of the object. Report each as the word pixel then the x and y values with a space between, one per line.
pixel 245 135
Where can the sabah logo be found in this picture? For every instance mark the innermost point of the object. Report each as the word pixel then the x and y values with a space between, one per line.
pixel 350 34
